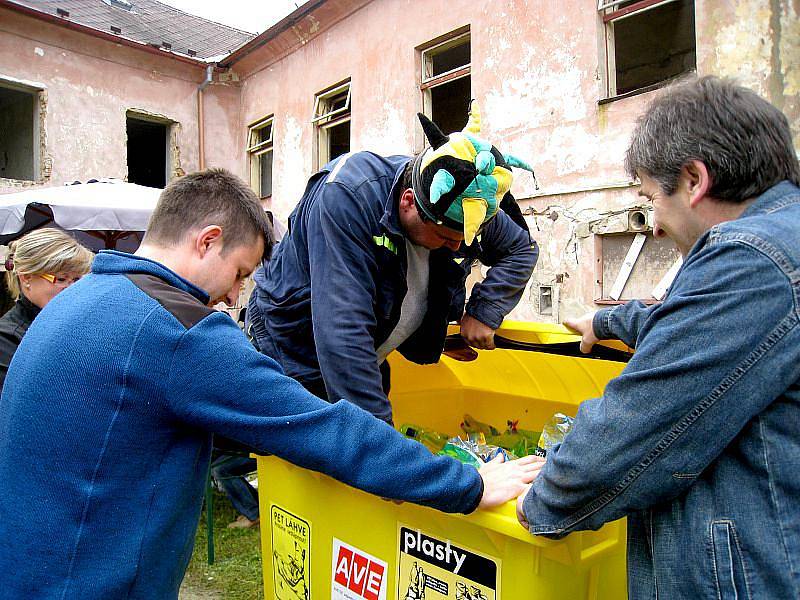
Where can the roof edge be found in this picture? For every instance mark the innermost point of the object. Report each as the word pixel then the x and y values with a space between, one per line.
pixel 267 36
pixel 110 37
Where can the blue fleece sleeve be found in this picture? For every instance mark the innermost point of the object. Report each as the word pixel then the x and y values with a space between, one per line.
pixel 511 255
pixel 221 384
pixel 343 274
pixel 622 322
pixel 724 345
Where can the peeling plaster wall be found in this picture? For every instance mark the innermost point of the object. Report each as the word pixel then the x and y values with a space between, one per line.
pixel 225 138
pixel 90 84
pixel 757 42
pixel 537 71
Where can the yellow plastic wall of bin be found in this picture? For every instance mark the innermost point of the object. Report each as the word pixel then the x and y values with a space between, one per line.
pixel 322 539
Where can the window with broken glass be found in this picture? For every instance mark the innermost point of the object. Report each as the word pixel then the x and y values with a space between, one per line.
pixel 332 121
pixel 648 42
pixel 445 80
pixel 259 149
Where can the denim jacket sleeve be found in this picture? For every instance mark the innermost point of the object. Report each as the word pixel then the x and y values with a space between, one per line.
pixel 622 322
pixel 511 255
pixel 698 377
pixel 343 274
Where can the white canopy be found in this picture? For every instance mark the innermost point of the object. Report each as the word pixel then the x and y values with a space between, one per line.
pixel 104 205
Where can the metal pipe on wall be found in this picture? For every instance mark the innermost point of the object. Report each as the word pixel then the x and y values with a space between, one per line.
pixel 201 138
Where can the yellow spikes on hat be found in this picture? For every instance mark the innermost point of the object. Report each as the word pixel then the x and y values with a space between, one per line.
pixel 474 214
pixel 474 123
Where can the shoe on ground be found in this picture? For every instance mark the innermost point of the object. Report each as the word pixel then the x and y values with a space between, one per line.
pixel 243 522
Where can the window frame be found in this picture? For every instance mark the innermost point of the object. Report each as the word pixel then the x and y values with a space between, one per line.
pixel 40 164
pixel 428 51
pixel 256 150
pixel 425 83
pixel 171 155
pixel 324 118
pixel 322 114
pixel 610 14
pixel 600 285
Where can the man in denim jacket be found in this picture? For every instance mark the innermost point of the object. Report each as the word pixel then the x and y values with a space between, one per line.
pixel 697 442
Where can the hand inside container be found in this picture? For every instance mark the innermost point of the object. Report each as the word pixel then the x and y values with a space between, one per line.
pixel 504 481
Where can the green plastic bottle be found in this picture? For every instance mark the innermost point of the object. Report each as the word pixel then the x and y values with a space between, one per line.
pixel 432 440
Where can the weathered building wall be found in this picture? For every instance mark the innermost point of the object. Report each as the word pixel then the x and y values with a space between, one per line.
pixel 538 70
pixel 89 85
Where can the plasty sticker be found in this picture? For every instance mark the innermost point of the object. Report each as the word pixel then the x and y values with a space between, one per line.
pixel 431 568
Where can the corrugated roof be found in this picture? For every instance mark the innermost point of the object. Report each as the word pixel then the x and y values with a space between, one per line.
pixel 148 22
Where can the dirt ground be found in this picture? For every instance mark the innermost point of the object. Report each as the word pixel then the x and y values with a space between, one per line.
pixel 189 593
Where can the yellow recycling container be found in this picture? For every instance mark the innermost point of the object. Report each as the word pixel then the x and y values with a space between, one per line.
pixel 322 539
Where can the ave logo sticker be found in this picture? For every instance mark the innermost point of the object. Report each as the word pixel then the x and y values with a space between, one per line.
pixel 356 574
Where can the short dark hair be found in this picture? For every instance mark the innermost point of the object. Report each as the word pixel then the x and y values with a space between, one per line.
pixel 213 196
pixel 406 178
pixel 744 141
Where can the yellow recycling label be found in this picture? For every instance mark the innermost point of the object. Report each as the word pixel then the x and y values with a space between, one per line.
pixel 431 569
pixel 291 555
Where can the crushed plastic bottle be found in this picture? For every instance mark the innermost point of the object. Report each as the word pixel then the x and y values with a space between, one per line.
pixel 471 425
pixel 554 431
pixel 473 453
pixel 432 440
pixel 521 442
pixel 460 450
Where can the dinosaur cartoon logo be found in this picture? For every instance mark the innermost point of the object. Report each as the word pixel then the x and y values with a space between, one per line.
pixel 291 570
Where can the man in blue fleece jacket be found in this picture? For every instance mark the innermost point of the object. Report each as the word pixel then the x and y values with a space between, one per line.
pixel 110 402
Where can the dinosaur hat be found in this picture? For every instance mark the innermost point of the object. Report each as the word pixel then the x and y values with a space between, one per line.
pixel 460 180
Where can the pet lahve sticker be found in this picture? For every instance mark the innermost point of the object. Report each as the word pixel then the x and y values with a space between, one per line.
pixel 430 568
pixel 356 574
pixel 291 555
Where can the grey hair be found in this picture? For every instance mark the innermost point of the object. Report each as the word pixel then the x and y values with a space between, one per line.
pixel 744 141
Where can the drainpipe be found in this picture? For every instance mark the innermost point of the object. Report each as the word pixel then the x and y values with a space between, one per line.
pixel 201 138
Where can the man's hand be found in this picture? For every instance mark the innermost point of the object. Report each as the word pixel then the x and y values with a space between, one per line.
pixel 477 334
pixel 583 325
pixel 504 481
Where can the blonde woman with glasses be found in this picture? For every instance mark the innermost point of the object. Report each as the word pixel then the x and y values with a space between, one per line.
pixel 40 264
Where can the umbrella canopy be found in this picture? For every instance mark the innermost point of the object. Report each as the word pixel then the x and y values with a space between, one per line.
pixel 107 209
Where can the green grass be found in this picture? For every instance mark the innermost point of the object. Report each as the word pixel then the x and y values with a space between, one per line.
pixel 236 572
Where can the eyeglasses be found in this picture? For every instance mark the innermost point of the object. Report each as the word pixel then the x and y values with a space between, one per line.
pixel 59 279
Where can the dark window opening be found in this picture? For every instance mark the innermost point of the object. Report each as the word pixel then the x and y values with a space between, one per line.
pixel 545 300
pixel 147 152
pixel 338 140
pixel 450 59
pixel 450 104
pixel 654 45
pixel 18 114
